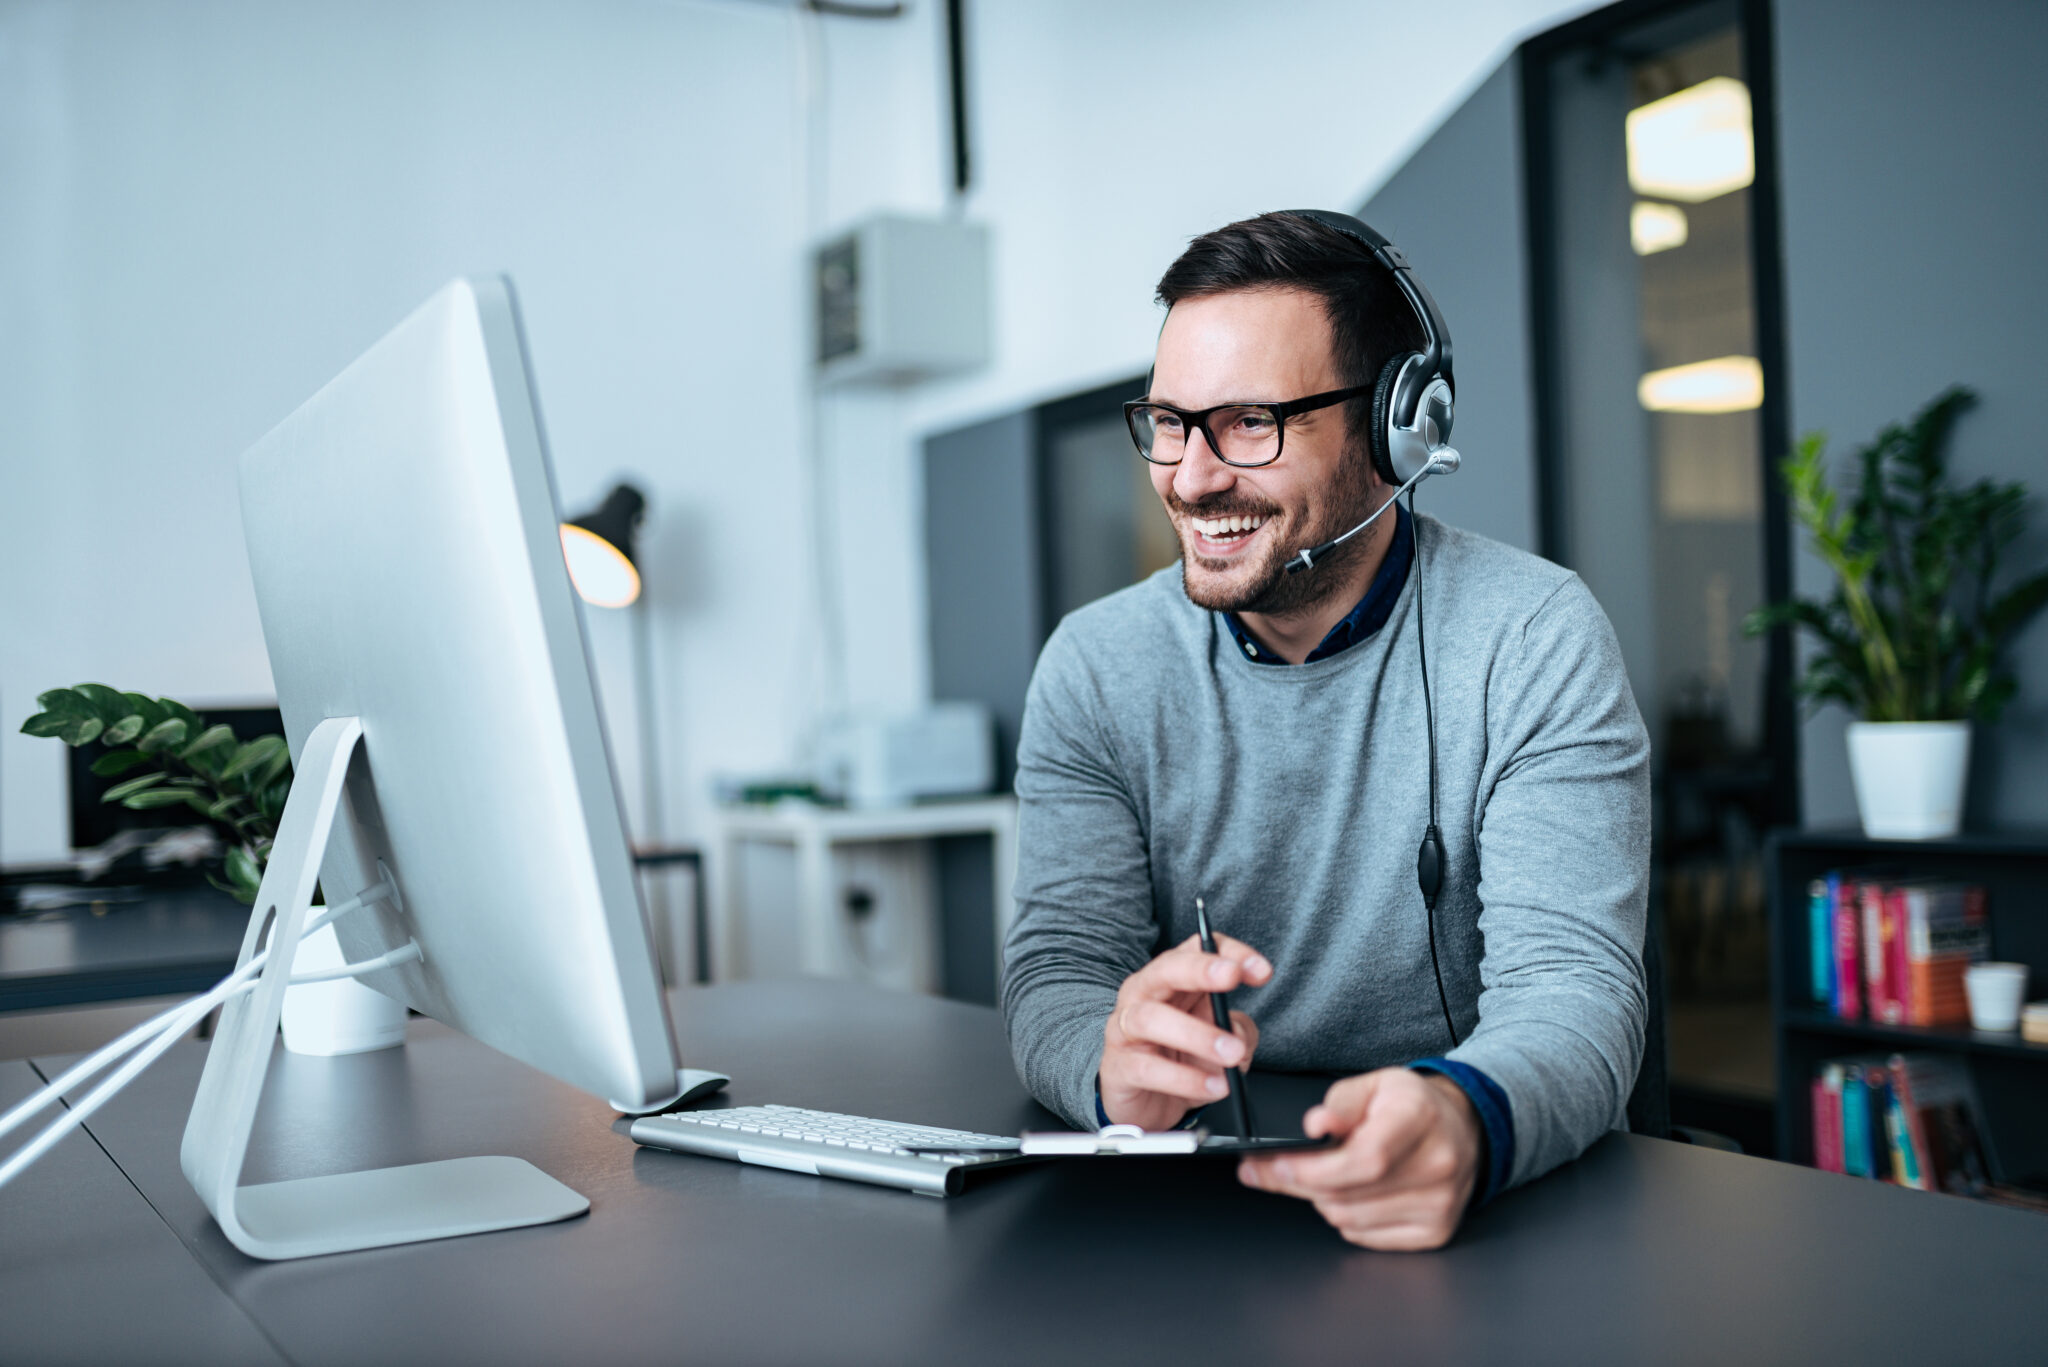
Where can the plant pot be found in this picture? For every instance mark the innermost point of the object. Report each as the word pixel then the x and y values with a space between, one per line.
pixel 1909 777
pixel 338 1017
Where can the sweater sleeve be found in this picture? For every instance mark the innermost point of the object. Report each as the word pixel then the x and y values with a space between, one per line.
pixel 1564 852
pixel 1084 918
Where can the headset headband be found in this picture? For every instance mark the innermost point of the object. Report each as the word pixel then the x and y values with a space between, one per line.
pixel 1436 352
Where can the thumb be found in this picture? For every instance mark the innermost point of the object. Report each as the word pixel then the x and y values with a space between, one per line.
pixel 1246 1029
pixel 1343 1107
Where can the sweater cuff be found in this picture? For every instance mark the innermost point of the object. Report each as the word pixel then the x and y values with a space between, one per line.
pixel 1496 1122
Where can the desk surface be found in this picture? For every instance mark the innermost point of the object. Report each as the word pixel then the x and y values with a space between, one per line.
pixel 137 942
pixel 88 1273
pixel 1641 1251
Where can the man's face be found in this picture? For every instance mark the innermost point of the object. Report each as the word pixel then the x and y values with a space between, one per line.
pixel 1268 345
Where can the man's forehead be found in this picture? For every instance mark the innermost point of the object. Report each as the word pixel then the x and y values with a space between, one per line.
pixel 1242 344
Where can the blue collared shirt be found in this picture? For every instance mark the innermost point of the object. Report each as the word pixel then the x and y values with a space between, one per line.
pixel 1496 1117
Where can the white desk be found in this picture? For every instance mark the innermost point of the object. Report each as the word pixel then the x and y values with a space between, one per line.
pixel 813 831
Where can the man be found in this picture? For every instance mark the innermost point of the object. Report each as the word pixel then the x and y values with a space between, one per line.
pixel 1231 731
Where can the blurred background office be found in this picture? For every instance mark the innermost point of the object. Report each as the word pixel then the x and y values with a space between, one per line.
pixel 213 207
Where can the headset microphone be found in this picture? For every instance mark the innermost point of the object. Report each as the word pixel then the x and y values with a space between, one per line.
pixel 1443 461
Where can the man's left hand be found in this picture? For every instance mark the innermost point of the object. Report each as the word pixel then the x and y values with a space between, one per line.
pixel 1406 1167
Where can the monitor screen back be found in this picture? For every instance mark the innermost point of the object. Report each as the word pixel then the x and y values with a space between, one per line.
pixel 405 544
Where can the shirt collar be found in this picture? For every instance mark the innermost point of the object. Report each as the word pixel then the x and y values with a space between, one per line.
pixel 1362 621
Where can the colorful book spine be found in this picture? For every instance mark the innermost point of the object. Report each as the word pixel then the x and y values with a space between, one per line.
pixel 1946 931
pixel 1856 1154
pixel 1875 991
pixel 1820 915
pixel 1894 1002
pixel 1848 997
pixel 1827 1119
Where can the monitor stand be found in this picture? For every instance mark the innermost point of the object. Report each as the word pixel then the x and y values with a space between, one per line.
pixel 349 1210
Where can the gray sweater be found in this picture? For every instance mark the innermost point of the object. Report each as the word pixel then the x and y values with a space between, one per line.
pixel 1157 764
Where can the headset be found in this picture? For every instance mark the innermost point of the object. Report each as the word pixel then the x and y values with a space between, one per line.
pixel 1412 410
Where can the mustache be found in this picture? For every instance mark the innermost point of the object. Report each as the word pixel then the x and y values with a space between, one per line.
pixel 1221 507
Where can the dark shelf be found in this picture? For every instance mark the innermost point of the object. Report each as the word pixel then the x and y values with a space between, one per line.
pixel 2012 1086
pixel 2006 1044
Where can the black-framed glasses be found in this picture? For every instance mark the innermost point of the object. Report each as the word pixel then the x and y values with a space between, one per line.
pixel 1241 434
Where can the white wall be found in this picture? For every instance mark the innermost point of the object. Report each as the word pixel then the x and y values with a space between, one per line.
pixel 212 207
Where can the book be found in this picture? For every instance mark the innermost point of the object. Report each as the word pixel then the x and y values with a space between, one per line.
pixel 1827 1119
pixel 1848 957
pixel 1938 1109
pixel 1820 913
pixel 1876 987
pixel 1946 930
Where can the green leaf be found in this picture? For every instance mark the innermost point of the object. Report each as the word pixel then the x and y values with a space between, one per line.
pixel 106 704
pixel 67 702
pixel 160 797
pixel 150 709
pixel 166 796
pixel 124 730
pixel 206 740
pixel 256 752
pixel 117 762
pixel 46 724
pixel 162 736
pixel 84 732
pixel 121 792
pixel 219 811
pixel 244 873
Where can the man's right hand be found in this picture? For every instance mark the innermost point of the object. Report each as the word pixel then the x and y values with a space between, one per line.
pixel 1162 1055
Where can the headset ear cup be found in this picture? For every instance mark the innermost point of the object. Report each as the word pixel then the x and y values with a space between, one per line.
pixel 1382 413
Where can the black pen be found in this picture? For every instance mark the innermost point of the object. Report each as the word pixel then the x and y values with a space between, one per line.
pixel 1238 1108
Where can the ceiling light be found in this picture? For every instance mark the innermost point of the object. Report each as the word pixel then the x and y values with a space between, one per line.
pixel 1726 384
pixel 1654 228
pixel 1693 145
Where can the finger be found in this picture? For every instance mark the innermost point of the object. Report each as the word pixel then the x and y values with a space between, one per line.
pixel 1256 968
pixel 1152 1022
pixel 1343 1107
pixel 1166 1077
pixel 1247 1030
pixel 1425 1218
pixel 1370 1159
pixel 1185 968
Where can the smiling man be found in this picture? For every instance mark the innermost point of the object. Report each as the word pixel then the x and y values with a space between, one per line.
pixel 1232 730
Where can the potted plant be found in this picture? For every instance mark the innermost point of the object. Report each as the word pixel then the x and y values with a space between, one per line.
pixel 172 758
pixel 1913 636
pixel 167 756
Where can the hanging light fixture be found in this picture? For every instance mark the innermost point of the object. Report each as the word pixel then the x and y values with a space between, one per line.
pixel 1726 384
pixel 1693 145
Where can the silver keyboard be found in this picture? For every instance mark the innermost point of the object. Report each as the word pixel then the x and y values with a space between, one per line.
pixel 827 1144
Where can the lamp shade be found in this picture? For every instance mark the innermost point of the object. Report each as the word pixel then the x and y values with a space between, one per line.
pixel 600 548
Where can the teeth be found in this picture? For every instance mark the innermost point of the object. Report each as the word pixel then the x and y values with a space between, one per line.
pixel 1227 526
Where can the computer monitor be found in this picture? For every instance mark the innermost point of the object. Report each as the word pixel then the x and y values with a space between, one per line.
pixel 431 667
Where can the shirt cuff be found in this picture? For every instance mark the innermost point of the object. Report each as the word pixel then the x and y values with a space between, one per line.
pixel 1496 1122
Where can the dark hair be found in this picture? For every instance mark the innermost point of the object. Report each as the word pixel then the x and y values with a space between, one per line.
pixel 1371 321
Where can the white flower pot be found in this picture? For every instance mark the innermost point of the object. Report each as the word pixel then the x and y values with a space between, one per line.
pixel 337 1017
pixel 1909 777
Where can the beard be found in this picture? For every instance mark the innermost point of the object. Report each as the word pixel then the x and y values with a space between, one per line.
pixel 1262 584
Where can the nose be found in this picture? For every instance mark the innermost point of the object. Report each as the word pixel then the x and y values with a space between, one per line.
pixel 1200 473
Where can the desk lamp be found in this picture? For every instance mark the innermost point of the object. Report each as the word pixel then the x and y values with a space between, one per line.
pixel 600 546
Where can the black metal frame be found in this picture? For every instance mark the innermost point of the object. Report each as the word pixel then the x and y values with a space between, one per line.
pixel 1199 420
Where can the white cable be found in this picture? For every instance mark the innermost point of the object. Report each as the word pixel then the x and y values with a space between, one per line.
pixel 173 1019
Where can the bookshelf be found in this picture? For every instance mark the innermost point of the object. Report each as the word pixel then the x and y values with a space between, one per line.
pixel 2011 1075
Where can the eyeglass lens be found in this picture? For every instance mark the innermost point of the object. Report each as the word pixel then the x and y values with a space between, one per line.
pixel 1242 436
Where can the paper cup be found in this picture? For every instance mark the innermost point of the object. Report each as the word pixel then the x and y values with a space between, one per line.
pixel 1996 991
